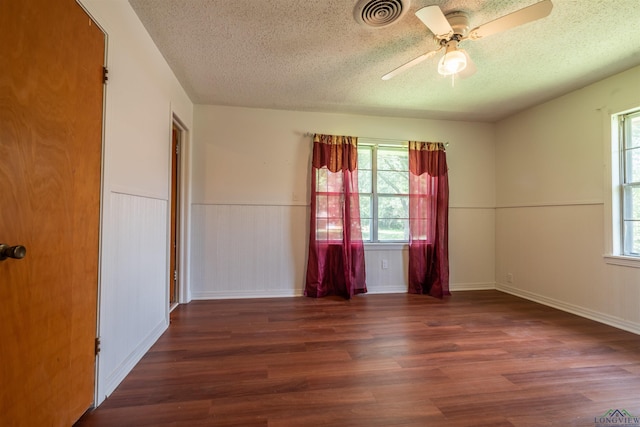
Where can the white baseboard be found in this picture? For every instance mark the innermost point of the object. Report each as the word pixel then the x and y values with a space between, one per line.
pixel 279 293
pixel 480 286
pixel 373 290
pixel 607 319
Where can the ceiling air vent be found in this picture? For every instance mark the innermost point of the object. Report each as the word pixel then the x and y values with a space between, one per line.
pixel 380 13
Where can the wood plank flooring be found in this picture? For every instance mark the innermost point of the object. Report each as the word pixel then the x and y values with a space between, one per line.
pixel 478 358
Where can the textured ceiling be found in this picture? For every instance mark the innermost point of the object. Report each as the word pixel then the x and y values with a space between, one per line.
pixel 312 55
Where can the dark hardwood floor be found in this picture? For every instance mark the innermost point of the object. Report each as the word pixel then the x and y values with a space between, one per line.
pixel 478 358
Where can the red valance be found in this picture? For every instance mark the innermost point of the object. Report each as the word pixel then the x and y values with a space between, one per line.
pixel 335 152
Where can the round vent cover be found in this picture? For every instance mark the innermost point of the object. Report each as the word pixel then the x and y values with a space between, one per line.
pixel 380 13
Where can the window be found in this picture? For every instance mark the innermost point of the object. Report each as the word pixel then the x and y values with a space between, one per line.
pixel 629 133
pixel 383 181
pixel 329 198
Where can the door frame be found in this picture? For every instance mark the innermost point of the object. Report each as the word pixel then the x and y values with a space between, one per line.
pixel 174 216
pixel 183 213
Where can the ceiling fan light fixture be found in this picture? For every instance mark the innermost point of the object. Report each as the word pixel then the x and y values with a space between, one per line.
pixel 452 28
pixel 452 62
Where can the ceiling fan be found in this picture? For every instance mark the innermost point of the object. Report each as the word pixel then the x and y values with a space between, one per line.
pixel 453 28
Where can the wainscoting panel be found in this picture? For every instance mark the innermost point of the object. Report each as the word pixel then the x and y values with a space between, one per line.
pixel 248 250
pixel 133 290
pixel 387 268
pixel 252 250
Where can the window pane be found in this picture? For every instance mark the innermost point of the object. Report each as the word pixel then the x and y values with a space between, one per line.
pixel 393 218
pixel 364 181
pixel 322 205
pixel 393 229
pixel 393 207
pixel 334 229
pixel 632 165
pixel 393 159
pixel 393 182
pixel 631 202
pixel 365 207
pixel 421 229
pixel 365 224
pixel 328 229
pixel 632 238
pixel 328 205
pixel 364 157
pixel 327 181
pixel 632 133
pixel 321 229
pixel 321 179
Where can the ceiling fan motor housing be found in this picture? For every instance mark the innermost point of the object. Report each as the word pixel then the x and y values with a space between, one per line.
pixel 459 21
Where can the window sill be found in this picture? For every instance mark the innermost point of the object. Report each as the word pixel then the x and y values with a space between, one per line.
pixel 625 261
pixel 399 246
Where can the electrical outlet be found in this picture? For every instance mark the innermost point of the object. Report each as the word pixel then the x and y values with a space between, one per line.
pixel 509 277
pixel 385 264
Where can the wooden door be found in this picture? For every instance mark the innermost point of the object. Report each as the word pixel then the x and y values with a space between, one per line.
pixel 51 97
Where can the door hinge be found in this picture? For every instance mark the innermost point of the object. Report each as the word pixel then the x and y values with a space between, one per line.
pixel 178 148
pixel 175 275
pixel 105 74
pixel 97 346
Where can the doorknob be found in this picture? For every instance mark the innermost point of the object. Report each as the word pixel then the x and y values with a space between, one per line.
pixel 16 252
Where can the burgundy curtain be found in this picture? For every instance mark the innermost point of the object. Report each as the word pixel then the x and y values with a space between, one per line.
pixel 428 219
pixel 336 252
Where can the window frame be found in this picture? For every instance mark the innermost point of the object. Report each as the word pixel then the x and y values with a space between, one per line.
pixel 374 220
pixel 624 130
pixel 614 249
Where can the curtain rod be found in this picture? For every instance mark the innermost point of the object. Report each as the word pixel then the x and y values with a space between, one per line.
pixel 446 144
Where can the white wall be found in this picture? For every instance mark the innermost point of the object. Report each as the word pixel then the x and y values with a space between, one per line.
pixel 251 196
pixel 553 187
pixel 142 95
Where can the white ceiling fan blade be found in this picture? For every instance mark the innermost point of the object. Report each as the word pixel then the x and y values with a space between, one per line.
pixel 470 69
pixel 434 19
pixel 409 64
pixel 528 14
